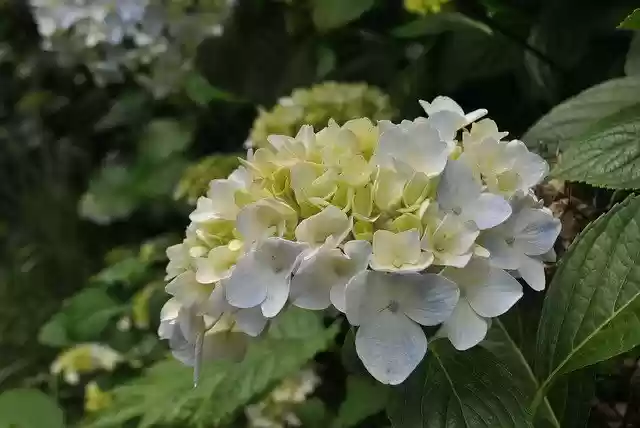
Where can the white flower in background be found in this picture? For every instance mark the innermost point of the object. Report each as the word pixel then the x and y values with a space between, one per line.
pixel 389 308
pixel 85 358
pixel 277 410
pixel 361 219
pixel 485 292
pixel 520 243
pixel 112 36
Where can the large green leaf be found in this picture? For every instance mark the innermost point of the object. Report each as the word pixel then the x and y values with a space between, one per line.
pixel 165 393
pixel 29 408
pixel 459 389
pixel 592 309
pixel 575 116
pixel 568 404
pixel 609 156
pixel 329 14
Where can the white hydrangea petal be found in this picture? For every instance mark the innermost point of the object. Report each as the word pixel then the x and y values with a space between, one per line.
pixel 532 271
pixel 495 295
pixel 329 224
pixel 312 282
pixel 416 144
pixel 250 321
pixel 205 210
pixel 441 103
pixel 387 190
pixel 390 346
pixel 457 187
pixel 536 230
pixel 217 303
pixel 501 254
pixel 447 123
pixel 358 253
pixel 247 285
pixel 489 210
pixel 366 295
pixel 264 218
pixel 188 290
pixel 427 299
pixel 464 328
pixel 262 276
pixel 401 251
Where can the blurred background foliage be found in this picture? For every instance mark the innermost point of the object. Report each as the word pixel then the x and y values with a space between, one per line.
pixel 112 125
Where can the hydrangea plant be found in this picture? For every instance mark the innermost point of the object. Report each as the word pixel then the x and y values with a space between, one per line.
pixel 398 226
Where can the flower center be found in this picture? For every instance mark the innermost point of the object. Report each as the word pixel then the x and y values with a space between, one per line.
pixel 457 210
pixel 510 240
pixel 393 306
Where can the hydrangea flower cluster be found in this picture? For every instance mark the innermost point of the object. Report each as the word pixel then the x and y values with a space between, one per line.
pixel 110 36
pixel 398 226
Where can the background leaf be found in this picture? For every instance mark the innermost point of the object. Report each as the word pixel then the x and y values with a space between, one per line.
pixel 459 389
pixel 165 393
pixel 592 308
pixel 573 117
pixel 330 14
pixel 29 408
pixel 631 22
pixel 365 397
pixel 609 157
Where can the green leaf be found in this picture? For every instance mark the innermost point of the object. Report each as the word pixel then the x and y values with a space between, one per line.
pixel 575 116
pixel 312 413
pixel 127 109
pixel 592 309
pixel 473 55
pixel 162 139
pixel 438 23
pixel 83 318
pixel 609 156
pixel 111 194
pixel 459 389
pixel 365 397
pixel 503 346
pixel 202 92
pixel 54 333
pixel 331 14
pixel 165 393
pixel 631 22
pixel 571 397
pixel 632 63
pixel 29 408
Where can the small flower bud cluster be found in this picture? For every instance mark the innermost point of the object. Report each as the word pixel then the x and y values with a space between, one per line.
pixel 398 226
pixel 316 105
